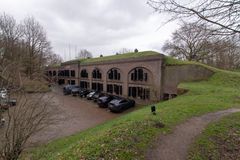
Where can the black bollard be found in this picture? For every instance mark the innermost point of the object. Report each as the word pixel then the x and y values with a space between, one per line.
pixel 153 109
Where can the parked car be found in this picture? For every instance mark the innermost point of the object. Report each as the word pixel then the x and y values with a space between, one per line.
pixel 104 100
pixel 84 92
pixel 91 94
pixel 76 90
pixel 12 102
pixel 2 122
pixel 5 103
pixel 120 104
pixel 68 89
pixel 3 93
pixel 97 95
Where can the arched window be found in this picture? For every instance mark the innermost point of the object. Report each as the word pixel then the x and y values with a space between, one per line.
pixel 96 74
pixel 114 74
pixel 139 74
pixel 84 73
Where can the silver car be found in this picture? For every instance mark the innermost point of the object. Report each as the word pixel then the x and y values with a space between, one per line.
pixel 3 93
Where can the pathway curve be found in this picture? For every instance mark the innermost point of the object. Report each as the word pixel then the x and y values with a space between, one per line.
pixel 174 146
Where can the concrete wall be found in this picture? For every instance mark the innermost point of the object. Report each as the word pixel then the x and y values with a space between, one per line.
pixel 173 75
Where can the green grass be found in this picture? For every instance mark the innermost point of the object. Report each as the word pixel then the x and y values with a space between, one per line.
pixel 114 57
pixel 170 61
pixel 129 136
pixel 220 140
pixel 237 70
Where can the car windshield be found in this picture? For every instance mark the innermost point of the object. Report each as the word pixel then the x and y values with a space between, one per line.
pixel 103 98
pixel 116 100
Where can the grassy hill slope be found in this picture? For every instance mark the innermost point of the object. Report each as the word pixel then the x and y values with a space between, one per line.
pixel 129 136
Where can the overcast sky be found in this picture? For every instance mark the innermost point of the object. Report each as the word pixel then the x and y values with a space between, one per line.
pixel 100 26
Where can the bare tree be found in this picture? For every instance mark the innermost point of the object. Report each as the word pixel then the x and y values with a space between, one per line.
pixel 54 59
pixel 37 46
pixel 234 53
pixel 195 42
pixel 10 34
pixel 31 114
pixel 23 121
pixel 25 43
pixel 224 53
pixel 221 15
pixel 84 54
pixel 190 42
pixel 21 47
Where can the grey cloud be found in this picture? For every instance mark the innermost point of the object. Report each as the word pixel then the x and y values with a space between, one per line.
pixel 93 24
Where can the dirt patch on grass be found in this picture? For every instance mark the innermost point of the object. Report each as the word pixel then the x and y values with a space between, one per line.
pixel 181 91
pixel 159 125
pixel 229 148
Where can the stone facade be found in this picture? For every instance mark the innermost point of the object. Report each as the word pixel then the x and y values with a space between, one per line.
pixel 145 79
pixel 141 75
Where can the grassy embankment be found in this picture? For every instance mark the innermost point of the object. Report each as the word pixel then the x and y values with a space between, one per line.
pixel 220 140
pixel 129 136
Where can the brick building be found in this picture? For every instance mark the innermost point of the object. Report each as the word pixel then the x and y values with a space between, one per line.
pixel 134 75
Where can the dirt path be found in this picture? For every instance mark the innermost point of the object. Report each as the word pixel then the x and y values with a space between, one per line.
pixel 175 146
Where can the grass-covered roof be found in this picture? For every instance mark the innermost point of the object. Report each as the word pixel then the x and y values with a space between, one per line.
pixel 113 57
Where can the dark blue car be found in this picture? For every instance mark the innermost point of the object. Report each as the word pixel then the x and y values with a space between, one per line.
pixel 120 104
pixel 68 89
pixel 84 92
pixel 104 100
pixel 75 91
